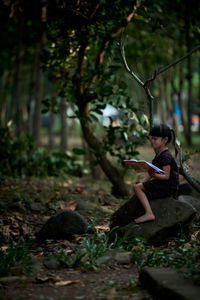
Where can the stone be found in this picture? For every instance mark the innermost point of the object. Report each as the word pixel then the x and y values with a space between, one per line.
pixel 115 255
pixel 11 280
pixel 36 207
pixel 168 284
pixel 51 263
pixel 170 215
pixel 193 201
pixel 185 189
pixel 63 226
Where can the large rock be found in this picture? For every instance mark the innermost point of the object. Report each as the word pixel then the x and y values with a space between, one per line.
pixel 193 201
pixel 63 226
pixel 170 215
pixel 168 284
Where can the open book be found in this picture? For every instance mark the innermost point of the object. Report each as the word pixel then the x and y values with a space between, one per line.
pixel 142 166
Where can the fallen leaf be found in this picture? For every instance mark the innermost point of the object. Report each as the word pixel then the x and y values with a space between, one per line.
pixel 70 205
pixel 4 248
pixel 19 218
pixel 15 225
pixel 43 279
pixel 66 282
pixel 105 228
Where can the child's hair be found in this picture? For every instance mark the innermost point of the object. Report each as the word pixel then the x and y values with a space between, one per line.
pixel 161 130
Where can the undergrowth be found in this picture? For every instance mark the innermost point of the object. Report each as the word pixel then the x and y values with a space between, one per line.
pixel 15 259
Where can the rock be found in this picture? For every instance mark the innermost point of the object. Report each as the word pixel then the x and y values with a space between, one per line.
pixel 168 284
pixel 185 189
pixel 85 207
pixel 115 255
pixel 193 201
pixel 10 280
pixel 124 258
pixel 36 207
pixel 51 263
pixel 63 226
pixel 169 213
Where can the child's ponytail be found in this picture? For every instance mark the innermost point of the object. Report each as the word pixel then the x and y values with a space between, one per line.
pixel 174 141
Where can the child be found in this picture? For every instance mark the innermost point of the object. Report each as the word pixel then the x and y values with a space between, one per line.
pixel 162 185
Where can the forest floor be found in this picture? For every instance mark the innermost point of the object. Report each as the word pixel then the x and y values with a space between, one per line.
pixel 25 205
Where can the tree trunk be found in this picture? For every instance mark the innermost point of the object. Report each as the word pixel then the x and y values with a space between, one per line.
pixel 162 102
pixel 120 188
pixel 32 88
pixel 17 95
pixel 189 73
pixel 199 91
pixel 38 99
pixel 51 128
pixel 170 104
pixel 4 100
pixel 63 121
pixel 39 78
pixel 179 93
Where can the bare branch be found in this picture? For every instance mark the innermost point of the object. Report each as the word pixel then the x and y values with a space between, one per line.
pixel 123 56
pixel 178 60
pixel 145 84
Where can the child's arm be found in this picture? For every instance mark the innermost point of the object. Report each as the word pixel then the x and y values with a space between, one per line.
pixel 164 176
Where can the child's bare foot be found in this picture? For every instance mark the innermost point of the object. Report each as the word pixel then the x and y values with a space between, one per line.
pixel 145 218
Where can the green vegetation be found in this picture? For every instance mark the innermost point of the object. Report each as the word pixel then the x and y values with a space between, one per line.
pixel 19 157
pixel 15 258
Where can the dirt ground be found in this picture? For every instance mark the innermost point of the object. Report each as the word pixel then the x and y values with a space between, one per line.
pixel 24 207
pixel 118 282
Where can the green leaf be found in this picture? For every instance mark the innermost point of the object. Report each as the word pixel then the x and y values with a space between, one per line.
pixel 79 151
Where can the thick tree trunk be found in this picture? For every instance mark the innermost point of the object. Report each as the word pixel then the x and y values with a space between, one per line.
pixel 32 88
pixel 51 129
pixel 38 100
pixel 17 95
pixel 4 99
pixel 39 78
pixel 63 121
pixel 120 188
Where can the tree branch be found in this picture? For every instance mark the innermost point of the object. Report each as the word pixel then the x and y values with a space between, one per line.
pixel 177 61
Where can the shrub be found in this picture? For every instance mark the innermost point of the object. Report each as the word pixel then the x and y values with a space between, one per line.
pixel 19 157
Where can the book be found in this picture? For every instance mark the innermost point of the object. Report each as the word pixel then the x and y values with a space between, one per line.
pixel 142 165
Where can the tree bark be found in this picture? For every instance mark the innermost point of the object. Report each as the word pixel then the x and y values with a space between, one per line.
pixel 38 99
pixel 17 95
pixel 63 121
pixel 120 188
pixel 5 100
pixel 39 78
pixel 189 73
pixel 51 129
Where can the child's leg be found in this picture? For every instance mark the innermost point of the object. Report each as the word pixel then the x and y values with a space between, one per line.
pixel 140 193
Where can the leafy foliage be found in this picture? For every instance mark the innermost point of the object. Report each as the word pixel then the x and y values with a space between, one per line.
pixel 177 255
pixel 15 259
pixel 21 157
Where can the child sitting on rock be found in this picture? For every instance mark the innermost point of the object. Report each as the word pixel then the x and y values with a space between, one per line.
pixel 157 185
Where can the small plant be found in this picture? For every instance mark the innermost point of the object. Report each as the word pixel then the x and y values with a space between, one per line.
pixel 15 258
pixel 19 157
pixel 175 256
